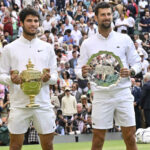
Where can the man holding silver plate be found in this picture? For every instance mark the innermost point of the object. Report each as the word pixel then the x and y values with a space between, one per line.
pixel 108 59
pixel 28 66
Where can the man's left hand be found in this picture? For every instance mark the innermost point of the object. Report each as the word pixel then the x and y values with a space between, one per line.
pixel 124 72
pixel 46 75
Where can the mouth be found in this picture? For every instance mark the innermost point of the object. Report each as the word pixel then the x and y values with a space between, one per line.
pixel 107 21
pixel 33 29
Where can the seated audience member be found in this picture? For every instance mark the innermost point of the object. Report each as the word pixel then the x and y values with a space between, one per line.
pixel 60 123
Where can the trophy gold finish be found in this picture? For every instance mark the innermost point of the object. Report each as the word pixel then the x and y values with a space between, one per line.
pixel 31 83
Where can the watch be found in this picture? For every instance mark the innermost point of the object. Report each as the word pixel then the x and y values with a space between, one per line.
pixel 132 73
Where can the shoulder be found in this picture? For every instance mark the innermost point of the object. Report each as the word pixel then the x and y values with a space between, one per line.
pixel 44 44
pixel 146 85
pixel 72 97
pixel 15 42
pixel 89 40
pixel 122 36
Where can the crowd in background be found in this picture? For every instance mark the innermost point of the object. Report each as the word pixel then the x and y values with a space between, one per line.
pixel 65 24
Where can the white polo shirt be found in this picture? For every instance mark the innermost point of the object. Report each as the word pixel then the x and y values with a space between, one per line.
pixel 120 44
pixel 15 56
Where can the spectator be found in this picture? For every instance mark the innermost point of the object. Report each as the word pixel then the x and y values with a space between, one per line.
pixel 145 22
pixel 69 70
pixel 26 3
pixel 145 98
pixel 142 5
pixel 76 93
pixel 138 40
pixel 115 14
pixel 66 81
pixel 60 4
pixel 60 123
pixel 73 61
pixel 55 102
pixel 68 38
pixel 32 135
pixel 136 91
pixel 121 24
pixel 76 34
pixel 47 23
pixel 79 119
pixel 140 50
pixel 86 105
pixel 131 8
pixel 82 85
pixel 78 14
pixel 131 25
pixel 69 51
pixel 82 25
pixel 90 13
pixel 7 21
pixel 145 63
pixel 69 104
pixel 67 25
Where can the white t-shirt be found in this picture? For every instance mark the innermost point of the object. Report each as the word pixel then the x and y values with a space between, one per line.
pixel 46 25
pixel 121 22
pixel 143 5
pixel 131 22
pixel 76 36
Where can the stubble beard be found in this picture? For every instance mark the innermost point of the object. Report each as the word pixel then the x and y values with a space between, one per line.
pixel 28 33
pixel 103 26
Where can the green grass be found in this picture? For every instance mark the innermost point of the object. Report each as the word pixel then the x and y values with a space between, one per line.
pixel 109 145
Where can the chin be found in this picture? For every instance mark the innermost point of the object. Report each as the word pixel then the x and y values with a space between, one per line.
pixel 106 26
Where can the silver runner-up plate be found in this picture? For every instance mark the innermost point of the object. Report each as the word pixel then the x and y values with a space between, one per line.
pixel 105 69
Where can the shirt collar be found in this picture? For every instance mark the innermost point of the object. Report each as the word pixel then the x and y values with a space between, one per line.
pixel 24 40
pixel 100 36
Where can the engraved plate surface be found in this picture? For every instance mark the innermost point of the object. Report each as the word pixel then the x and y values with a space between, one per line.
pixel 105 69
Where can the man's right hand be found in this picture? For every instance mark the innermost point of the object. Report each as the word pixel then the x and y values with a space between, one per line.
pixel 85 70
pixel 15 78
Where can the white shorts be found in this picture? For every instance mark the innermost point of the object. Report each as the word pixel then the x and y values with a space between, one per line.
pixel 43 120
pixel 119 108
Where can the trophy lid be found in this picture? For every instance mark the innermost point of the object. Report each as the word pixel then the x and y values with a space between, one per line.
pixel 30 65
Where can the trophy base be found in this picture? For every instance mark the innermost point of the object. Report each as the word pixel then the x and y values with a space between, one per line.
pixel 33 106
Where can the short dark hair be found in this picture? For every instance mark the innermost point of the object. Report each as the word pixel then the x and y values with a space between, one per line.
pixel 101 5
pixel 28 11
pixel 67 73
pixel 74 52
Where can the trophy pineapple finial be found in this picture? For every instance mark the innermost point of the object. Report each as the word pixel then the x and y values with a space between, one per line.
pixel 30 65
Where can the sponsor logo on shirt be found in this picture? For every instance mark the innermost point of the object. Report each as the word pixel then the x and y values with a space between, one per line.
pixel 39 50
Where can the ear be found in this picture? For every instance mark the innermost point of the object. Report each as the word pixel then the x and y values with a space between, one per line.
pixel 21 23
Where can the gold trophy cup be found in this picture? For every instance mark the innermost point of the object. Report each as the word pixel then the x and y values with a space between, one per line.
pixel 31 83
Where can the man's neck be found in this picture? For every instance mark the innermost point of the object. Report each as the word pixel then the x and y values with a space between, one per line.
pixel 104 32
pixel 28 37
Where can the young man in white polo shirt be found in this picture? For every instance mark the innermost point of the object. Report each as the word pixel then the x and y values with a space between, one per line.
pixel 117 102
pixel 15 56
